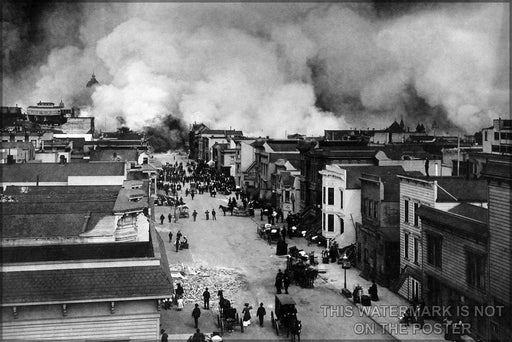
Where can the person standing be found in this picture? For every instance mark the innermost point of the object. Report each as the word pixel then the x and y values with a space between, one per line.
pixel 279 281
pixel 207 213
pixel 165 337
pixel 283 233
pixel 162 218
pixel 192 193
pixel 177 243
pixel 206 299
pixel 261 214
pixel 198 336
pixel 286 282
pixel 196 313
pixel 372 291
pixel 194 215
pixel 170 236
pixel 247 315
pixel 169 217
pixel 214 215
pixel 179 291
pixel 261 313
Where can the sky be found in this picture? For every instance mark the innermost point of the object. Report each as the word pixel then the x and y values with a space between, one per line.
pixel 264 68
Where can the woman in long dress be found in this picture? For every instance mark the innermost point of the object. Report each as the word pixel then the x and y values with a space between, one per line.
pixel 247 314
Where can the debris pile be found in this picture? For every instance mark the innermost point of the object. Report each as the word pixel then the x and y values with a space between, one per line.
pixel 195 279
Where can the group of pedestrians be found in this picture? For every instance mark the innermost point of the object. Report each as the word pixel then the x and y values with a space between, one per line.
pixel 282 281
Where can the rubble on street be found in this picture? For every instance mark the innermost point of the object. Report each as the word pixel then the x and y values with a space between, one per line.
pixel 196 278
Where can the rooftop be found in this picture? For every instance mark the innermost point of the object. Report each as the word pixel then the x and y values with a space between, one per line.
pixel 354 173
pixel 283 145
pixel 59 280
pixel 456 223
pixel 56 172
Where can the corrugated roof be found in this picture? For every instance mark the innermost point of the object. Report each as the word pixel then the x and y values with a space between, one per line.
pixel 55 172
pixel 84 284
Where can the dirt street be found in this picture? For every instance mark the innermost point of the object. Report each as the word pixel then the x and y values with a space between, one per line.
pixel 227 254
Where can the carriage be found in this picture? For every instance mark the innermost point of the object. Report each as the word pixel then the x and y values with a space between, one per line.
pixel 183 211
pixel 299 267
pixel 285 316
pixel 269 233
pixel 227 318
pixel 240 211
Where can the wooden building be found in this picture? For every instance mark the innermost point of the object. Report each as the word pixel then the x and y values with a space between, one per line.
pixel 436 192
pixel 499 176
pixel 455 267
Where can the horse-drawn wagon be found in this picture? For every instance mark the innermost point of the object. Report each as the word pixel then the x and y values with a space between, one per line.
pixel 285 316
pixel 227 318
pixel 299 266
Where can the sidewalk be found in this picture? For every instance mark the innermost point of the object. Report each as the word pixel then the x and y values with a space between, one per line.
pixel 386 311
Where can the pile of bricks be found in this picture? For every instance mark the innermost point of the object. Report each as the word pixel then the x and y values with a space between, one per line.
pixel 195 279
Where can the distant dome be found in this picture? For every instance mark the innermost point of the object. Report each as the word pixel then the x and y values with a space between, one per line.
pixel 93 81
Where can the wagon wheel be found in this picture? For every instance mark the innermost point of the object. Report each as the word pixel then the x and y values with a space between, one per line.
pixel 272 320
pixel 277 327
pixel 241 325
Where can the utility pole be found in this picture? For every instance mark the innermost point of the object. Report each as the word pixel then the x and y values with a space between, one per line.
pixel 458 154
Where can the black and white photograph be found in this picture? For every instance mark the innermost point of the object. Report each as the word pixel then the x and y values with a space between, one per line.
pixel 256 171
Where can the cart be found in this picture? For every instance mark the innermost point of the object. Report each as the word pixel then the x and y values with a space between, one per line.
pixel 285 316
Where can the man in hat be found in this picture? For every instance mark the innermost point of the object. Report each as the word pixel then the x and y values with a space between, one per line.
pixel 196 313
pixel 260 313
pixel 206 299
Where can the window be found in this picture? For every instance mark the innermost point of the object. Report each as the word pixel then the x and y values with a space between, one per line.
pixel 406 211
pixel 323 195
pixel 341 199
pixel 406 245
pixel 475 269
pixel 323 222
pixel 375 209
pixel 416 217
pixel 485 135
pixel 370 208
pixel 287 196
pixel 434 250
pixel 416 250
pixel 496 136
pixel 330 196
pixel 330 223
pixel 342 226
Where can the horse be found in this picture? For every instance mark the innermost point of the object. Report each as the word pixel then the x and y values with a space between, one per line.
pixel 224 209
pixel 294 328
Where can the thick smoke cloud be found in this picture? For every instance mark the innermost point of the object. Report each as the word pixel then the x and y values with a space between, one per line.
pixel 268 68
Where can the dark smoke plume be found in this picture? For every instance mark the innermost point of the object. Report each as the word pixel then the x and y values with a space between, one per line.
pixel 168 133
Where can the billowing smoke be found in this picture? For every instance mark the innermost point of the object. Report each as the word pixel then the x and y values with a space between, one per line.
pixel 167 133
pixel 265 68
